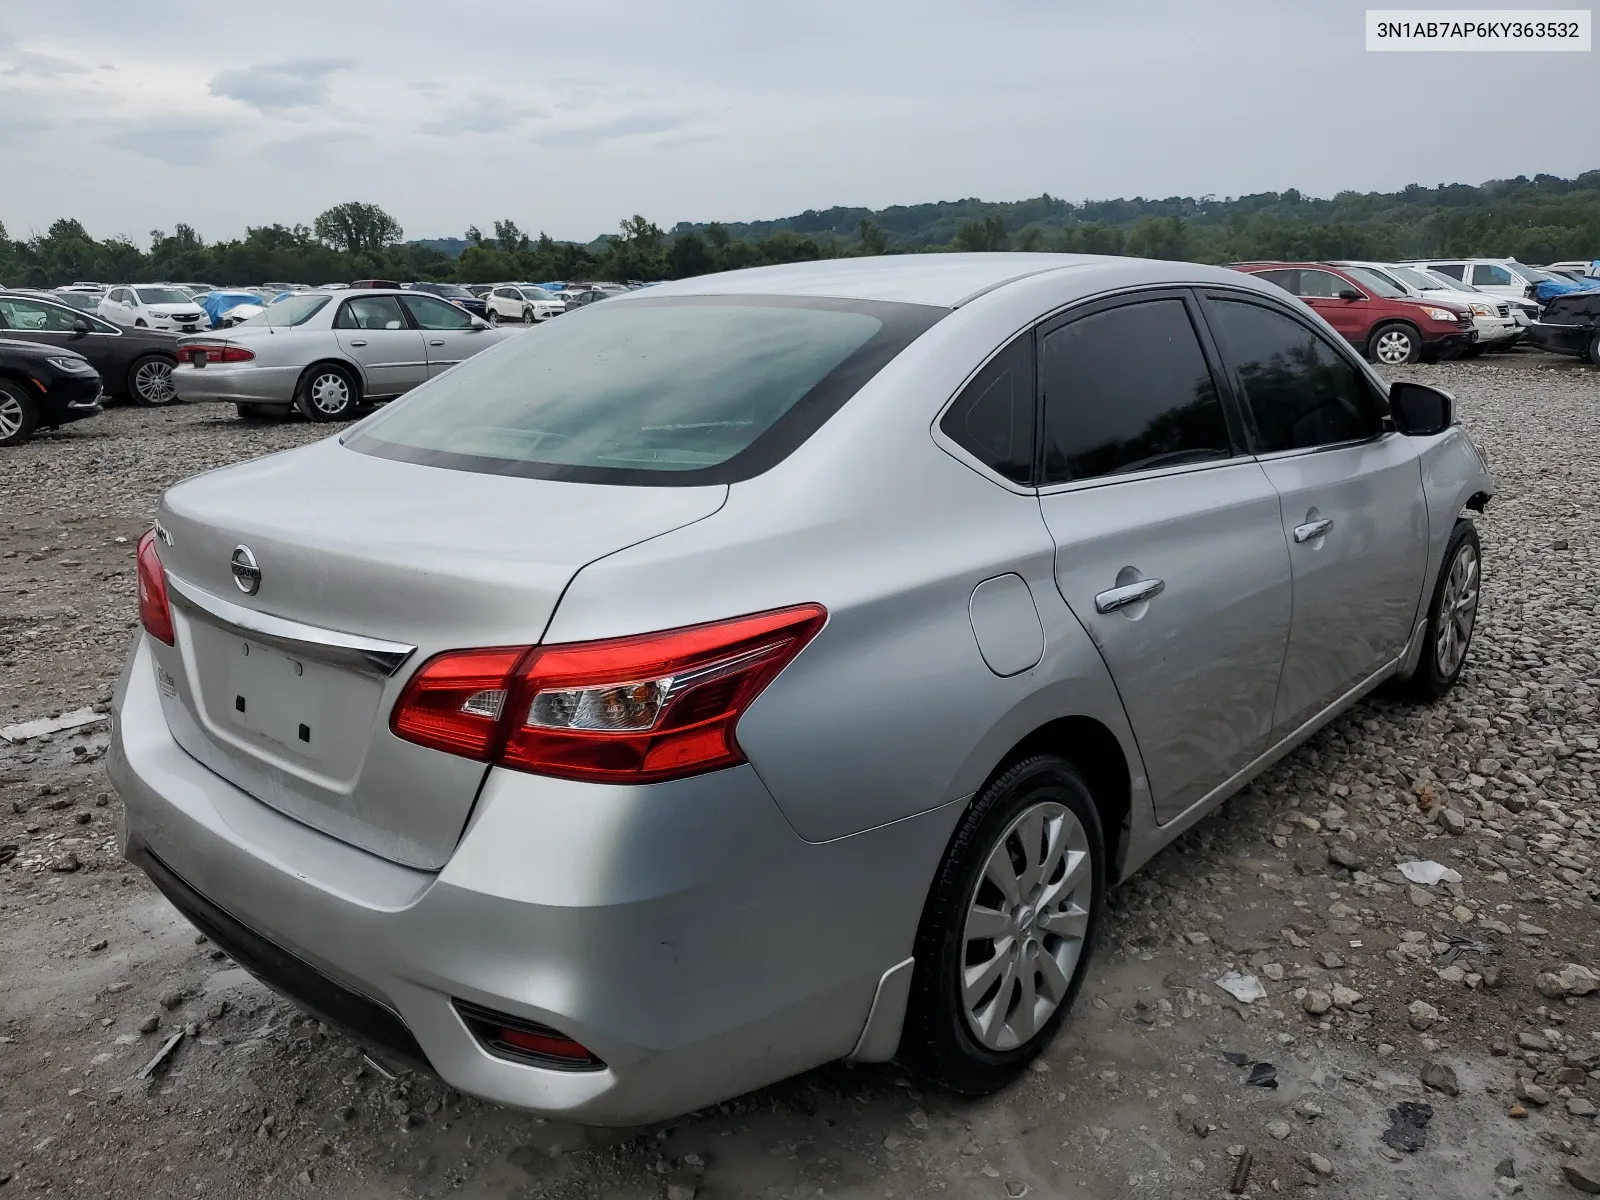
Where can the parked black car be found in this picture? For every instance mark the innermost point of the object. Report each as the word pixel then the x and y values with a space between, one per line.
pixel 43 386
pixel 457 295
pixel 1570 324
pixel 134 363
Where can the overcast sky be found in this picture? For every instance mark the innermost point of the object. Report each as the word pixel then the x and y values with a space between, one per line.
pixel 568 117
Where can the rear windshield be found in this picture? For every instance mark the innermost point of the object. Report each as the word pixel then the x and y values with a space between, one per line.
pixel 290 311
pixel 669 390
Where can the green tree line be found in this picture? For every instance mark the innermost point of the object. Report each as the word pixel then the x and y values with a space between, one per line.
pixel 1536 220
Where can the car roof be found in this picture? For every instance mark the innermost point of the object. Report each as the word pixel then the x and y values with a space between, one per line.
pixel 944 280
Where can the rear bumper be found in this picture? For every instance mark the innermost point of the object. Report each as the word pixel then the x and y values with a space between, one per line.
pixel 241 384
pixel 682 932
pixel 1562 339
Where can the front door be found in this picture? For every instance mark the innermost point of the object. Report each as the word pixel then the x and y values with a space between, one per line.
pixel 374 332
pixel 1352 318
pixel 1353 520
pixel 449 334
pixel 1169 543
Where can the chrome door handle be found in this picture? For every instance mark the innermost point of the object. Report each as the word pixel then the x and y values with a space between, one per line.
pixel 436 341
pixel 358 341
pixel 1133 593
pixel 1312 530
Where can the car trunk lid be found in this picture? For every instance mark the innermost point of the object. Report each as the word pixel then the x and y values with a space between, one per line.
pixel 362 568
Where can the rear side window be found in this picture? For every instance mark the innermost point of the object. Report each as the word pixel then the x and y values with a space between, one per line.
pixel 1284 278
pixel 993 418
pixel 1300 390
pixel 689 390
pixel 1454 270
pixel 1128 389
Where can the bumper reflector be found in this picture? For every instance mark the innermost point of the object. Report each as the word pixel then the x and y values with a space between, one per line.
pixel 506 1036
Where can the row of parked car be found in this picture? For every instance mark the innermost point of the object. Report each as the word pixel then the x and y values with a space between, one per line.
pixel 1398 313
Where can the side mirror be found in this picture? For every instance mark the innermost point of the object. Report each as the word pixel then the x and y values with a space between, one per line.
pixel 1420 410
pixel 479 323
pixel 80 327
pixel 1350 294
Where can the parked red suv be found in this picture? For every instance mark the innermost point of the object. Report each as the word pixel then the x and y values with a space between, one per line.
pixel 1376 317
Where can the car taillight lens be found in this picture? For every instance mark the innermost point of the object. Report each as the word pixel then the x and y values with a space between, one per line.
pixel 155 614
pixel 217 352
pixel 624 710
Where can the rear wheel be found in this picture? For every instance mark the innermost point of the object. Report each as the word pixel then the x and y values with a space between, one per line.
pixel 150 381
pixel 262 412
pixel 1393 345
pixel 19 416
pixel 1594 349
pixel 494 316
pixel 1452 616
pixel 328 392
pixel 1007 929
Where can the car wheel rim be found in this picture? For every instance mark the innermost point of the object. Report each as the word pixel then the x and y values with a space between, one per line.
pixel 527 316
pixel 494 317
pixel 10 416
pixel 153 381
pixel 1458 609
pixel 330 394
pixel 1394 347
pixel 1025 926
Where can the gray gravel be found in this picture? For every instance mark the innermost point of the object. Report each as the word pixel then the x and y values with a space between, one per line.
pixel 1478 998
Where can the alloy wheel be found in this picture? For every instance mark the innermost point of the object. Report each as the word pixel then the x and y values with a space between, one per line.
pixel 11 416
pixel 330 394
pixel 494 316
pixel 1394 347
pixel 1026 921
pixel 1458 609
pixel 153 382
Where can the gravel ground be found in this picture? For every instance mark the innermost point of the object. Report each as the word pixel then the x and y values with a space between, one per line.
pixel 1474 998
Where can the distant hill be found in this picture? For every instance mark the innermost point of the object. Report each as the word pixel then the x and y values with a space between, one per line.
pixel 449 247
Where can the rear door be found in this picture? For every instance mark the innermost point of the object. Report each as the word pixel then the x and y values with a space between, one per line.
pixel 449 334
pixel 376 333
pixel 1352 318
pixel 1353 519
pixel 1169 540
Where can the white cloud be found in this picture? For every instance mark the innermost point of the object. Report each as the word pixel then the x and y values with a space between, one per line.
pixel 299 83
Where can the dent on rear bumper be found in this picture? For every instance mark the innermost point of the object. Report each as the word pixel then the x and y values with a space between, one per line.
pixel 682 932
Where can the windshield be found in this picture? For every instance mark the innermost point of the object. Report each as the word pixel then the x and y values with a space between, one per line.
pixel 532 291
pixel 450 291
pixel 1376 281
pixel 1418 279
pixel 701 389
pixel 81 301
pixel 1447 283
pixel 162 295
pixel 1533 275
pixel 290 311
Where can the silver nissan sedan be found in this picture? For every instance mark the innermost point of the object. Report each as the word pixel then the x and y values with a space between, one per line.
pixel 775 667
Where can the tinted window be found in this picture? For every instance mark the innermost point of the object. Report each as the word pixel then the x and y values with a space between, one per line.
pixel 1323 285
pixel 436 314
pixel 1376 282
pixel 639 391
pixel 1301 391
pixel 1283 278
pixel 25 315
pixel 992 419
pixel 370 312
pixel 1487 274
pixel 1126 390
pixel 1454 270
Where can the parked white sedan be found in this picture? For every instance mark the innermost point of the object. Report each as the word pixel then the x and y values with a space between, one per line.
pixel 328 353
pixel 523 302
pixel 153 306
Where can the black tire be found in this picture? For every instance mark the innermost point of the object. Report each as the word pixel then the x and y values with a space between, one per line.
pixel 139 323
pixel 149 381
pixel 938 1042
pixel 494 316
pixel 527 315
pixel 19 415
pixel 262 412
pixel 328 392
pixel 1473 351
pixel 1380 343
pixel 1436 673
pixel 1594 349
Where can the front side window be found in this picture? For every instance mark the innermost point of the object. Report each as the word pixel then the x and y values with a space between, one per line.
pixel 371 312
pixel 1128 389
pixel 1323 285
pixel 992 419
pixel 1300 390
pixel 24 315
pixel 1489 275
pixel 437 314
pixel 695 389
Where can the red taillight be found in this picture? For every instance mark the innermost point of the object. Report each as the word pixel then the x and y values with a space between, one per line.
pixel 154 612
pixel 625 710
pixel 551 1045
pixel 213 352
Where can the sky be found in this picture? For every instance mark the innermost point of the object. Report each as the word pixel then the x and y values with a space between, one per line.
pixel 567 118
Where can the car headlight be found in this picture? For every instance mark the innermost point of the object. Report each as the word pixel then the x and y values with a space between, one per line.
pixel 72 366
pixel 1441 314
pixel 1480 310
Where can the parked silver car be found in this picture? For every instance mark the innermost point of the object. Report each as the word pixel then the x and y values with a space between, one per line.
pixel 775 667
pixel 329 353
